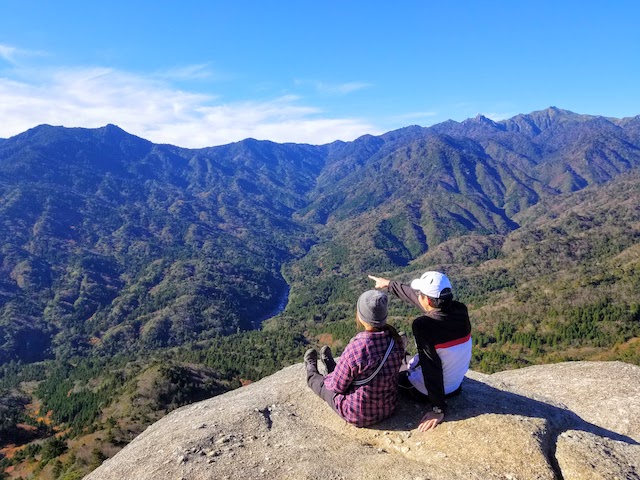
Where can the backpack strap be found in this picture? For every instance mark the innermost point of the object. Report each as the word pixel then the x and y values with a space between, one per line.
pixel 358 383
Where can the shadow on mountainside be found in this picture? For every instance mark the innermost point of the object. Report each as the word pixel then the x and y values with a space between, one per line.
pixel 478 398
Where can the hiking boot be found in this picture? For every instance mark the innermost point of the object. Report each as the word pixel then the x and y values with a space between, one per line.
pixel 311 360
pixel 327 358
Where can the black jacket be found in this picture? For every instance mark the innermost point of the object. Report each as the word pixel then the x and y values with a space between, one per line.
pixel 432 330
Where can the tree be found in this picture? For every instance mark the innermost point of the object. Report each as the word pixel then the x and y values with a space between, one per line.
pixel 53 448
pixel 57 468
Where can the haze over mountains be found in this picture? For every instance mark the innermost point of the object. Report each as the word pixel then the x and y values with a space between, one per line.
pixel 133 269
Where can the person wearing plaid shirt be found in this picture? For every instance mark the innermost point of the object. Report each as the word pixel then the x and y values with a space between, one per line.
pixel 348 388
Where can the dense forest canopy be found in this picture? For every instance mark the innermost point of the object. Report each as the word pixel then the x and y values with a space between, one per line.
pixel 134 277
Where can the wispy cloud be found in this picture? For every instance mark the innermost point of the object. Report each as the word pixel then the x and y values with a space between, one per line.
pixel 12 54
pixel 342 89
pixel 189 72
pixel 152 108
pixel 334 88
pixel 8 53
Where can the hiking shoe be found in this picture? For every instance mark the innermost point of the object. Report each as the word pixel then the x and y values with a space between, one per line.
pixel 311 360
pixel 327 358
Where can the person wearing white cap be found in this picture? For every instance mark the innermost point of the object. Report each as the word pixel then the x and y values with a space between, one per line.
pixel 443 340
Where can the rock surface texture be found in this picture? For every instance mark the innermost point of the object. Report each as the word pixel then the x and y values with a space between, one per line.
pixel 566 421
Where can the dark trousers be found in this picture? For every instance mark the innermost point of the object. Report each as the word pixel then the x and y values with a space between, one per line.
pixel 316 383
pixel 407 389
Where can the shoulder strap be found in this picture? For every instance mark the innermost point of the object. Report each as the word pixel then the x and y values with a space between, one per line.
pixel 372 376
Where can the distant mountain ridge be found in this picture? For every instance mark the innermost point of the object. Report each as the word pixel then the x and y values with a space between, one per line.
pixel 429 185
pixel 127 243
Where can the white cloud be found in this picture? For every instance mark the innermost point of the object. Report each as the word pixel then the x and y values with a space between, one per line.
pixel 189 72
pixel 8 53
pixel 151 108
pixel 11 54
pixel 334 88
pixel 344 88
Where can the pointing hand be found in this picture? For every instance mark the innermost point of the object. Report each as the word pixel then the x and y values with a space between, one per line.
pixel 380 282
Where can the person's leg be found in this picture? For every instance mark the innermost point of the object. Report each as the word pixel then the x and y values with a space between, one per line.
pixel 406 388
pixel 327 358
pixel 315 381
pixel 455 393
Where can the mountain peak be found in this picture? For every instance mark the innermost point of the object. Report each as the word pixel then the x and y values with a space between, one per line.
pixel 480 119
pixel 412 131
pixel 113 133
pixel 112 129
pixel 46 133
pixel 486 120
pixel 536 122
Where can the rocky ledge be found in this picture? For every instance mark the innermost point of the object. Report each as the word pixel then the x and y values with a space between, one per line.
pixel 565 421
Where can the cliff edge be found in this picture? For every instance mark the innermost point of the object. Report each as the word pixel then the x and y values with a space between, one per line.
pixel 578 420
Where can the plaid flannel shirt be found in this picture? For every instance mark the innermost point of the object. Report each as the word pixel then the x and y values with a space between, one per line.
pixel 366 404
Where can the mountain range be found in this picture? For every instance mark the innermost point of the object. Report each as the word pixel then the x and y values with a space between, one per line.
pixel 110 242
pixel 137 277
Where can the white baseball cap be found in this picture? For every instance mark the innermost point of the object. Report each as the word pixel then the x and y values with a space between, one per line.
pixel 431 284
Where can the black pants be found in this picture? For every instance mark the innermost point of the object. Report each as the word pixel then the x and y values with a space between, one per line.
pixel 316 383
pixel 407 389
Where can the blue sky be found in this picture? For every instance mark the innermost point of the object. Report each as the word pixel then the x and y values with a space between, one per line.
pixel 204 73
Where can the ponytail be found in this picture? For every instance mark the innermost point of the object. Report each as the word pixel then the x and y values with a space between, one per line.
pixel 393 332
pixel 386 328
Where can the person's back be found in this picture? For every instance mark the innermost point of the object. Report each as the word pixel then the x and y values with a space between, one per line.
pixel 363 386
pixel 446 331
pixel 377 399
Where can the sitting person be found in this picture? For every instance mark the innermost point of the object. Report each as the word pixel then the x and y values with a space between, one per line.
pixel 363 386
pixel 443 340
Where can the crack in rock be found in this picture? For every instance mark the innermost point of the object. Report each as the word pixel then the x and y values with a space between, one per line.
pixel 266 413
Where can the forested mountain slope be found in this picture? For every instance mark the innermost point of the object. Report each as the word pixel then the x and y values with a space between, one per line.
pixel 110 242
pixel 421 187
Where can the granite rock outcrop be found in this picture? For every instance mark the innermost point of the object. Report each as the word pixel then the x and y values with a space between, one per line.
pixel 564 421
